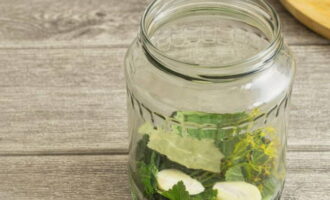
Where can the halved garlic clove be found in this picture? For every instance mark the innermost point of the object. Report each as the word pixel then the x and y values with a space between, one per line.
pixel 167 178
pixel 237 191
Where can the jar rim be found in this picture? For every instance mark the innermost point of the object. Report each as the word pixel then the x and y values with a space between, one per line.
pixel 257 61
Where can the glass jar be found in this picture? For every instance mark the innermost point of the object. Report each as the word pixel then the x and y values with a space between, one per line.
pixel 208 85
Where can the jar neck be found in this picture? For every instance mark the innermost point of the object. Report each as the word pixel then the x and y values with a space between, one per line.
pixel 243 13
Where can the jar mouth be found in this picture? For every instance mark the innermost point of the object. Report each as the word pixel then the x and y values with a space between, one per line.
pixel 255 13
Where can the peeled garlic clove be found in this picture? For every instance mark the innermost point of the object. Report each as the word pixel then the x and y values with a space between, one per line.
pixel 167 178
pixel 237 191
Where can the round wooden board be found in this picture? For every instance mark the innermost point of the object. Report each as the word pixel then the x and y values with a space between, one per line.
pixel 313 13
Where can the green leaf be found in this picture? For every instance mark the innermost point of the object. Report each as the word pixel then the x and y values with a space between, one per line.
pixel 227 146
pixel 259 157
pixel 212 118
pixel 178 192
pixel 235 174
pixel 207 195
pixel 143 153
pixel 242 149
pixel 211 125
pixel 270 188
pixel 253 174
pixel 147 175
pixel 187 151
pixel 247 155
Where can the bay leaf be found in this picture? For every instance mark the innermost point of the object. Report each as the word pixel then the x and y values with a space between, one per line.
pixel 190 152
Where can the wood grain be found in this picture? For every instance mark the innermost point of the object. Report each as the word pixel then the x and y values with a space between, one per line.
pixel 97 23
pixel 313 13
pixel 310 122
pixel 62 23
pixel 62 100
pixel 73 101
pixel 105 177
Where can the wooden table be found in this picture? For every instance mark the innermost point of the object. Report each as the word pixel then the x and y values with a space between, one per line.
pixel 63 129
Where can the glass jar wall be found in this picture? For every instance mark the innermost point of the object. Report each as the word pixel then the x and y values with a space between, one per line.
pixel 208 85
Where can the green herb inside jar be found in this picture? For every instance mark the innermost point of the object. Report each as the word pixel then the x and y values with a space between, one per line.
pixel 204 156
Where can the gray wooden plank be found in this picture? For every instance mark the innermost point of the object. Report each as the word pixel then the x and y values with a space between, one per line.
pixel 40 23
pixel 62 100
pixel 310 122
pixel 105 177
pixel 63 178
pixel 73 100
pixel 97 23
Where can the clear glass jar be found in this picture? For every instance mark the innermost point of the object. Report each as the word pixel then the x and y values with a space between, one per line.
pixel 208 85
